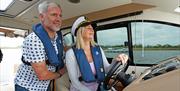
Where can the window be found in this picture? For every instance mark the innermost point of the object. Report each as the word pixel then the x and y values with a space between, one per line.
pixel 11 41
pixel 112 41
pixel 68 39
pixel 13 32
pixel 154 42
pixel 12 53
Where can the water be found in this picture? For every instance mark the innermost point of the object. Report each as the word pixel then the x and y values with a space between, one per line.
pixel 150 56
pixel 153 56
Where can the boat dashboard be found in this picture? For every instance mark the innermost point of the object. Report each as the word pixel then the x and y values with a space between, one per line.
pixel 164 67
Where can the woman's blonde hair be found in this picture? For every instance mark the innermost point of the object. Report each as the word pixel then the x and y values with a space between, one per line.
pixel 79 39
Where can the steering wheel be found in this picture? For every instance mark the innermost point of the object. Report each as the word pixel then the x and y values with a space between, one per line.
pixel 113 74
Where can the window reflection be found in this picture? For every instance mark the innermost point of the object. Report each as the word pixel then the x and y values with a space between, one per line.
pixel 153 42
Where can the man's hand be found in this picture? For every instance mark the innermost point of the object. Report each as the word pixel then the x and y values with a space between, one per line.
pixel 62 71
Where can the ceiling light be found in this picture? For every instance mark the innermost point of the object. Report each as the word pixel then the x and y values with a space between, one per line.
pixel 25 0
pixel 74 1
pixel 177 9
pixel 4 4
pixel 28 0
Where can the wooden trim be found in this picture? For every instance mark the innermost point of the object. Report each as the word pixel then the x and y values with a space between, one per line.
pixel 110 12
pixel 6 30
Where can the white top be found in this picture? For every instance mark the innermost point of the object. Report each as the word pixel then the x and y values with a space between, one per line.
pixel 74 72
pixel 92 67
pixel 33 51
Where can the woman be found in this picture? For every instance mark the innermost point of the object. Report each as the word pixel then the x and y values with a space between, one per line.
pixel 86 62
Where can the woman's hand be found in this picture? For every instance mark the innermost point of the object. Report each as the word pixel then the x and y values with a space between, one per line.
pixel 121 57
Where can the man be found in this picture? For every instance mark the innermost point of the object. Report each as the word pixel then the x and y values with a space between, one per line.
pixel 42 51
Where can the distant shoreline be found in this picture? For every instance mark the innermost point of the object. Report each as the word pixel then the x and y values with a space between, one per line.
pixel 133 48
pixel 157 49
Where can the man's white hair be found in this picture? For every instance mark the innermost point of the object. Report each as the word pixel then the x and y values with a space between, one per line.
pixel 43 7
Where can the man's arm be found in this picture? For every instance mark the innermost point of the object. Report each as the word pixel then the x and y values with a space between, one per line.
pixel 42 71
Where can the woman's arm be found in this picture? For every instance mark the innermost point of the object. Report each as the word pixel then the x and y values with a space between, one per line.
pixel 106 64
pixel 105 61
pixel 73 71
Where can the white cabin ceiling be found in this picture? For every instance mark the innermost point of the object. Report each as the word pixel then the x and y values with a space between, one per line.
pixel 162 5
pixel 30 15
